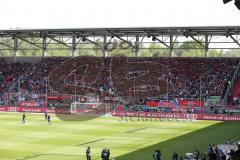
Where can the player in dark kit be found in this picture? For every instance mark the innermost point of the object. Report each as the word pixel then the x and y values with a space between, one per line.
pixel 23 118
pixel 49 120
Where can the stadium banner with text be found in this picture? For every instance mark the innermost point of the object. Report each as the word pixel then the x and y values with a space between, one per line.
pixel 178 116
pixel 218 117
pixel 227 111
pixel 29 104
pixel 34 110
pixel 214 99
pixel 190 103
pixel 58 98
pixel 167 104
pixel 174 103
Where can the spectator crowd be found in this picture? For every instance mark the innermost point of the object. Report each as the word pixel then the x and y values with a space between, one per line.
pixel 119 76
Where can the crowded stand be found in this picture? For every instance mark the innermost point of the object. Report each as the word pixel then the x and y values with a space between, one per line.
pixel 183 76
pixel 118 78
pixel 81 73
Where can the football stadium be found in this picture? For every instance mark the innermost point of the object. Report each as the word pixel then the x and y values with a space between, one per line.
pixel 120 93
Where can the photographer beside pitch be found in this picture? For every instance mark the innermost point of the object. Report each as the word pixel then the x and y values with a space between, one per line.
pixel 105 155
pixel 157 154
pixel 88 153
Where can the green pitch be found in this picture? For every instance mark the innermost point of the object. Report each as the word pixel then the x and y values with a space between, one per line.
pixel 127 140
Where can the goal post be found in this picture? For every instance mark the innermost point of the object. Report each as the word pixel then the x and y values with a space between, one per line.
pixel 95 109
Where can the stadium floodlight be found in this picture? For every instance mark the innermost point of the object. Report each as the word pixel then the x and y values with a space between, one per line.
pixel 226 1
pixel 84 39
pixel 42 35
pixel 227 34
pixel 237 4
pixel 153 38
pixel 186 34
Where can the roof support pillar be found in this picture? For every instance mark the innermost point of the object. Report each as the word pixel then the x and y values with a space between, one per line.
pixel 171 46
pixel 105 46
pixel 44 47
pixel 206 46
pixel 137 46
pixel 73 46
pixel 15 48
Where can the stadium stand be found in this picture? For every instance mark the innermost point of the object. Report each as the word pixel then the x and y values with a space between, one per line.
pixel 143 77
pixel 236 94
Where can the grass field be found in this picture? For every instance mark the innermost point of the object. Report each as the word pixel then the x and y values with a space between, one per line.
pixel 127 140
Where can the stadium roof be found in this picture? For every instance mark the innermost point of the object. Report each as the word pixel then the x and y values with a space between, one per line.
pixel 195 31
pixel 206 36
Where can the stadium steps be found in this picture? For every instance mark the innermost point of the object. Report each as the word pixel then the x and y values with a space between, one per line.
pixel 236 88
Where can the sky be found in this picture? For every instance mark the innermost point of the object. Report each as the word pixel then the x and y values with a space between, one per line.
pixel 33 14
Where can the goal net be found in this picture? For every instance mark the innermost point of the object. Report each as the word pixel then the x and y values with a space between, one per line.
pixel 94 109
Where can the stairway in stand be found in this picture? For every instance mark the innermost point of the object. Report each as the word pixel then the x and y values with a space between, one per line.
pixel 236 88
